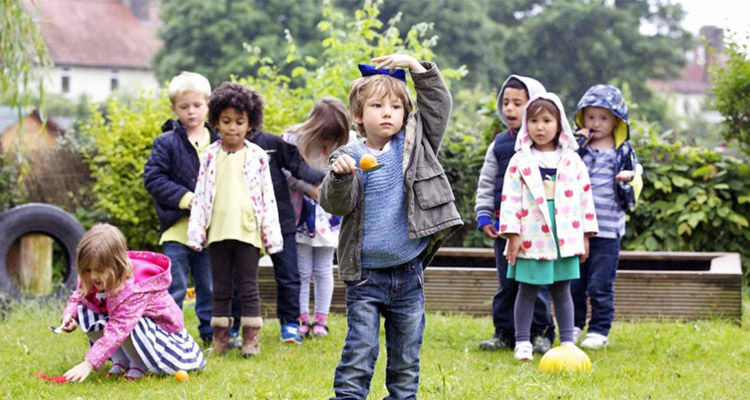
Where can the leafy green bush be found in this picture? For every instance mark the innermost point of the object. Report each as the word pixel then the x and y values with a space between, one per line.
pixel 123 142
pixel 693 199
pixel 9 174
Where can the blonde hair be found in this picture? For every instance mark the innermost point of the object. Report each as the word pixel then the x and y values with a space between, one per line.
pixel 103 248
pixel 328 123
pixel 188 82
pixel 377 86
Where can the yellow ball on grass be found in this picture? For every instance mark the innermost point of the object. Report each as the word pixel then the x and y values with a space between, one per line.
pixel 181 376
pixel 565 358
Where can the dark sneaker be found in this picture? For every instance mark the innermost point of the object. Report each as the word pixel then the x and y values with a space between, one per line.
pixel 494 344
pixel 541 345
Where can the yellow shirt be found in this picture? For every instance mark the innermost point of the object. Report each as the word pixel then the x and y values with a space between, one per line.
pixel 233 216
pixel 178 231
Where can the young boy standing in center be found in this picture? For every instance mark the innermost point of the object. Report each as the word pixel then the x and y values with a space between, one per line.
pixel 511 101
pixel 394 220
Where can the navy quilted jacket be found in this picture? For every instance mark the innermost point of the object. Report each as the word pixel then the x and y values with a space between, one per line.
pixel 171 171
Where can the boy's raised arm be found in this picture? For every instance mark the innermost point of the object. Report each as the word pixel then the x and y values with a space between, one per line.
pixel 434 103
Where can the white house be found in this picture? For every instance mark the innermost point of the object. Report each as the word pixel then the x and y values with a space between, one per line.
pixel 689 95
pixel 99 46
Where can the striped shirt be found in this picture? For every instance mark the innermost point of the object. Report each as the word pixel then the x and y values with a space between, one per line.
pixel 601 167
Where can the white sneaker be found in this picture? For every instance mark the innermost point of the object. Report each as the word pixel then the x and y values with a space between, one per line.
pixel 524 351
pixel 577 332
pixel 594 341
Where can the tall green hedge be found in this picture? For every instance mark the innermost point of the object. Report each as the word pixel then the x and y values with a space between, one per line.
pixel 122 142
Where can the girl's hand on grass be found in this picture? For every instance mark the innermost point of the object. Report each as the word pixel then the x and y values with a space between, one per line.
pixel 514 245
pixel 392 61
pixel 625 176
pixel 79 372
pixel 69 323
pixel 344 165
pixel 489 231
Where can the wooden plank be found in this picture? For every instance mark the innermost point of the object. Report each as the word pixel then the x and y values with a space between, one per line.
pixel 29 263
pixel 681 295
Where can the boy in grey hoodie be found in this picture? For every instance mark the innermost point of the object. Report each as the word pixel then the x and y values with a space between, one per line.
pixel 511 100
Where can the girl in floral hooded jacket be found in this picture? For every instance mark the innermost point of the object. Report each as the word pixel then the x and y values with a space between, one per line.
pixel 547 215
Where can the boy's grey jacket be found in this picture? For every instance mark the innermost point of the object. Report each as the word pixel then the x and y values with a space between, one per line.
pixel 430 202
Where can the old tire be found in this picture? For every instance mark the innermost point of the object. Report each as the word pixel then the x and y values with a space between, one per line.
pixel 39 218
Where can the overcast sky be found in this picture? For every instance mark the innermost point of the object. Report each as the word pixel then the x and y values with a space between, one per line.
pixel 733 15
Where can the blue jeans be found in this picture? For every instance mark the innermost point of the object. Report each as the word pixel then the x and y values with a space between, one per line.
pixel 397 293
pixel 505 299
pixel 597 282
pixel 286 273
pixel 184 259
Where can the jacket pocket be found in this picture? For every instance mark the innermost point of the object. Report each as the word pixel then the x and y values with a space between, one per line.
pixel 431 186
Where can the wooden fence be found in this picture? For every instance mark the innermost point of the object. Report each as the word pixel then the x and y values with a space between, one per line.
pixel 671 285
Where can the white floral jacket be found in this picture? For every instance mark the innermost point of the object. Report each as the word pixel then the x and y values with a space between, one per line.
pixel 258 180
pixel 523 205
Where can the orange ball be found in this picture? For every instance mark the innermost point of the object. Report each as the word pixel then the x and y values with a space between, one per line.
pixel 367 161
pixel 181 376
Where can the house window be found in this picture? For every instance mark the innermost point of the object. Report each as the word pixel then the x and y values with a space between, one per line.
pixel 113 81
pixel 65 80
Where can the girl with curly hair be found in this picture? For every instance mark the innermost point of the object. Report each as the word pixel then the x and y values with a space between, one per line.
pixel 235 213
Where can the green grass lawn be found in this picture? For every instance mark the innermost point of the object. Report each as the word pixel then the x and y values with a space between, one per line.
pixel 645 360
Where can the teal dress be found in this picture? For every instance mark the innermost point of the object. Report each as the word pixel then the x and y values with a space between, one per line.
pixel 546 272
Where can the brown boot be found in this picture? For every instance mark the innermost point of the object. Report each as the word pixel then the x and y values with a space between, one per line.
pixel 221 326
pixel 251 335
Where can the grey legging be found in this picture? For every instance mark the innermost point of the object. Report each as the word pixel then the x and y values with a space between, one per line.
pixel 523 311
pixel 317 263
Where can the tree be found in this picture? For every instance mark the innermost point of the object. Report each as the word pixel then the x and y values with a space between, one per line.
pixel 22 54
pixel 208 36
pixel 570 45
pixel 732 89
pixel 470 33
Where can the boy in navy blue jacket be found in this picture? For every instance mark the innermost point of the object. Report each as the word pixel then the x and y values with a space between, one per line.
pixel 513 96
pixel 170 175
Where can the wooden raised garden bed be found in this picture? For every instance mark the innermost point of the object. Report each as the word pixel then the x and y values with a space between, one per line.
pixel 671 285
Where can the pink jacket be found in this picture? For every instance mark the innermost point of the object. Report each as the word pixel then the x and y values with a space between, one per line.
pixel 144 295
pixel 257 176
pixel 523 205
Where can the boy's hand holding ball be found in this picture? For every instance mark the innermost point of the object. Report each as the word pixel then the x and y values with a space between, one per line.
pixel 344 165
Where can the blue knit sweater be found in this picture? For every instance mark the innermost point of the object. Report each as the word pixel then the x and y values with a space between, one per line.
pixel 386 240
